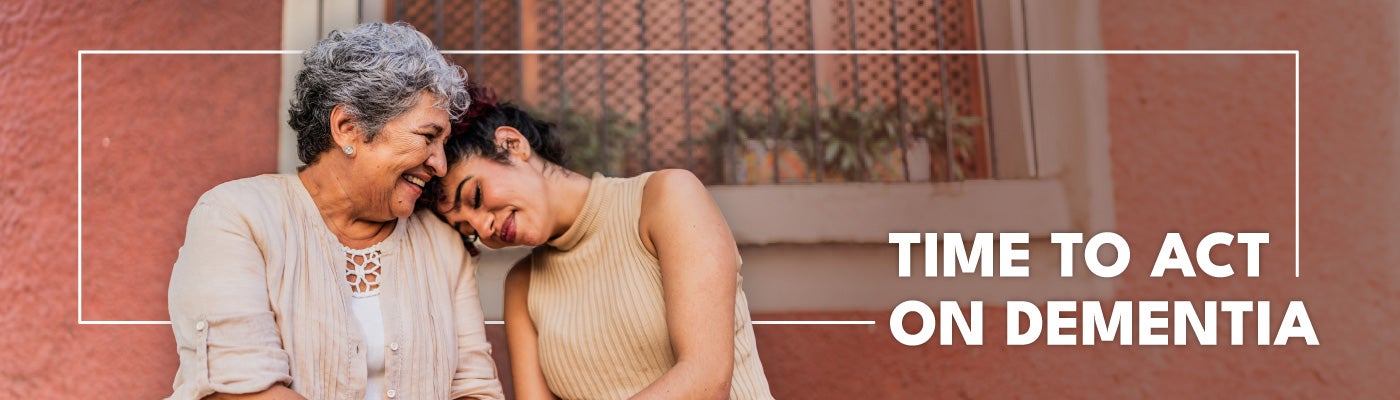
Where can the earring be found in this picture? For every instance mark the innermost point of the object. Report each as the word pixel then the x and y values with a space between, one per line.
pixel 349 150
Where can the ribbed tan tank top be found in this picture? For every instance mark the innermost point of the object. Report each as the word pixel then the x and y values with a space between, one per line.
pixel 595 298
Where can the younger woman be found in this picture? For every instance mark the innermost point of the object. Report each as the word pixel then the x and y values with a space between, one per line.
pixel 633 289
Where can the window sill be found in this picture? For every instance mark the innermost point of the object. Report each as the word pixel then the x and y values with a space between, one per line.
pixel 868 212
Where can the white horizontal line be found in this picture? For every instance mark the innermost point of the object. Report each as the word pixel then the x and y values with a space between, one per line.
pixel 157 52
pixel 503 322
pixel 123 322
pixel 814 322
pixel 772 322
pixel 735 52
pixel 858 52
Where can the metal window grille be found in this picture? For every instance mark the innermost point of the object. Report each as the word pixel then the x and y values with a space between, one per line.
pixel 737 119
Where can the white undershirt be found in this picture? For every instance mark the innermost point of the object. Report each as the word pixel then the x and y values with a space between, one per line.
pixel 366 310
pixel 362 274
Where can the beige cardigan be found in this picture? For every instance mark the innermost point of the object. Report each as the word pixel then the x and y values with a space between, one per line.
pixel 258 296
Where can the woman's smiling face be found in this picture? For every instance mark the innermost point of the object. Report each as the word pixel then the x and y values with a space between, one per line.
pixel 402 158
pixel 502 203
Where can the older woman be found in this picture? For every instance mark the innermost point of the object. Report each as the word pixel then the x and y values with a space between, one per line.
pixel 325 284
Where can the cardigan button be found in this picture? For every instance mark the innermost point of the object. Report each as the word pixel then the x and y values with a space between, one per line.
pixel 394 346
pixel 391 393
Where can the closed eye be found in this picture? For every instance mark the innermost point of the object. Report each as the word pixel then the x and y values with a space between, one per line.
pixel 457 196
pixel 476 199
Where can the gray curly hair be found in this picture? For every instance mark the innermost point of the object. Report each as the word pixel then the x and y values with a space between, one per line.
pixel 376 71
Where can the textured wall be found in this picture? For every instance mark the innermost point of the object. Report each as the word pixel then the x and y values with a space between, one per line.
pixel 158 130
pixel 1348 176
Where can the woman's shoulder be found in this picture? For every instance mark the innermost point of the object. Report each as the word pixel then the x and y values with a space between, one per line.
pixel 671 198
pixel 430 234
pixel 656 193
pixel 252 194
pixel 430 225
pixel 518 278
pixel 668 186
pixel 250 187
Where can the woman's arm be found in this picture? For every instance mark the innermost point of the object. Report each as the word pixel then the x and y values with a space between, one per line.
pixel 521 338
pixel 681 224
pixel 276 392
pixel 225 331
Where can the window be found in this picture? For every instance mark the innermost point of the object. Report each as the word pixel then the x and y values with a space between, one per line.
pixel 739 120
pixel 1035 161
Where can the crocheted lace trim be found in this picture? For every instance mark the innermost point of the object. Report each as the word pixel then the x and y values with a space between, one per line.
pixel 362 270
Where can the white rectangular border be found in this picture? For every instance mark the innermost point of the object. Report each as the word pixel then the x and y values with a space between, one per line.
pixel 1296 123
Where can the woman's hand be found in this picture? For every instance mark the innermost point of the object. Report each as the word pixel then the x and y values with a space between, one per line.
pixel 276 392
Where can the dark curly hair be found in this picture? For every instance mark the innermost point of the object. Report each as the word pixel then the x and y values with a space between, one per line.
pixel 475 133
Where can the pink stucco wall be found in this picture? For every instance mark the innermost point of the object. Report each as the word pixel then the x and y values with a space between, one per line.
pixel 1205 143
pixel 157 131
pixel 1199 143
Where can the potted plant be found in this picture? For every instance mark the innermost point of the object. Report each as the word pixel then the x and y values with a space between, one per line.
pixel 929 151
pixel 856 141
pixel 750 142
pixel 851 141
